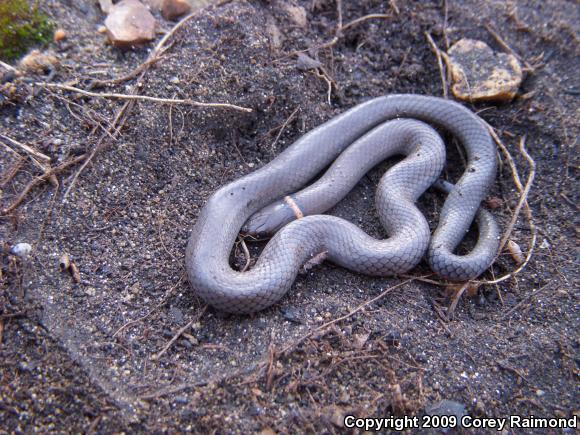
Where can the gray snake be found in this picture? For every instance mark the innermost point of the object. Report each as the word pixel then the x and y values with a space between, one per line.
pixel 354 141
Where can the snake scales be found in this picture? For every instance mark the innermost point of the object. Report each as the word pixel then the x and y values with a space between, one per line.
pixel 353 142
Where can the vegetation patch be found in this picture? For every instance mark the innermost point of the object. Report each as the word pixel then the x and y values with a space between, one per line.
pixel 22 25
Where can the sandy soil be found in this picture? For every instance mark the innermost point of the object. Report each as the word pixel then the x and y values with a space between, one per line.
pixel 84 356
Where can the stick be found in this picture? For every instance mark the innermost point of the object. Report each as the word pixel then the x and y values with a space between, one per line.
pixel 524 195
pixel 26 148
pixel 141 97
pixel 527 298
pixel 338 32
pixel 176 336
pixel 451 309
pixel 97 148
pixel 246 254
pixel 361 19
pixel 159 305
pixel 8 67
pixel 521 203
pixel 346 316
pixel 437 52
pixel 506 47
pixel 292 115
pixel 49 172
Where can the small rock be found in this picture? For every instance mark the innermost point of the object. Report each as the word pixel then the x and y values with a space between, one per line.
pixel 172 9
pixel 154 4
pixel 39 62
pixel 176 315
pixel 336 415
pixel 359 340
pixel 64 262
pixel 305 62
pixel 7 76
pixel 130 23
pixel 106 5
pixel 393 338
pixel 59 35
pixel 292 314
pixel 275 34
pixel 182 400
pixel 297 14
pixel 21 250
pixel 516 252
pixel 480 74
pixel 447 407
pixel 545 244
pixel 494 202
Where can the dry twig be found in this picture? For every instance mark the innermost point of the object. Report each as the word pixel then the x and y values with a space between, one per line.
pixel 364 18
pixel 506 47
pixel 26 148
pixel 141 97
pixel 246 253
pixel 526 299
pixel 346 316
pixel 439 56
pixel 522 203
pixel 40 179
pixel 7 67
pixel 178 334
pixel 159 305
pixel 284 125
pixel 122 113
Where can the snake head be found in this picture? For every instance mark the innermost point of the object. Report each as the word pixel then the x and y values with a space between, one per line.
pixel 269 220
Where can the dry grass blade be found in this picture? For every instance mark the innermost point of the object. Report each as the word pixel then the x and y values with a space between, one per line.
pixel 26 148
pixel 439 56
pixel 506 47
pixel 116 96
pixel 178 334
pixel 365 18
pixel 40 179
pixel 522 203
pixel 346 316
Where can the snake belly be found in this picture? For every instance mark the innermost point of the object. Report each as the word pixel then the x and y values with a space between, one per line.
pixel 360 137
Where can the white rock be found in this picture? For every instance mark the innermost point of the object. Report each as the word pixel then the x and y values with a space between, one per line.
pixel 21 250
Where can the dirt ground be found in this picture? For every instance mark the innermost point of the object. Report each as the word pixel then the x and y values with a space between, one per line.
pixel 89 356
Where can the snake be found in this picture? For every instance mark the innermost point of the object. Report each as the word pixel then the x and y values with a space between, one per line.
pixel 274 199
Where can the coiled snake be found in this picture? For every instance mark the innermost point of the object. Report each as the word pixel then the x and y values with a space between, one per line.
pixel 354 141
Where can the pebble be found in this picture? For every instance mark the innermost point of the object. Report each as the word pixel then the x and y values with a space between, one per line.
pixel 297 14
pixel 292 314
pixel 59 35
pixel 39 62
pixel 480 74
pixel 447 407
pixel 172 9
pixel 21 250
pixel 106 5
pixel 130 23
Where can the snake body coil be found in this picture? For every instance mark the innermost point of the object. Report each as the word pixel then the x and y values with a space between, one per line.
pixel 360 138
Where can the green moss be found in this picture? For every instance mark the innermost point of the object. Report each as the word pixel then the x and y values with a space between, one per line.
pixel 22 25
